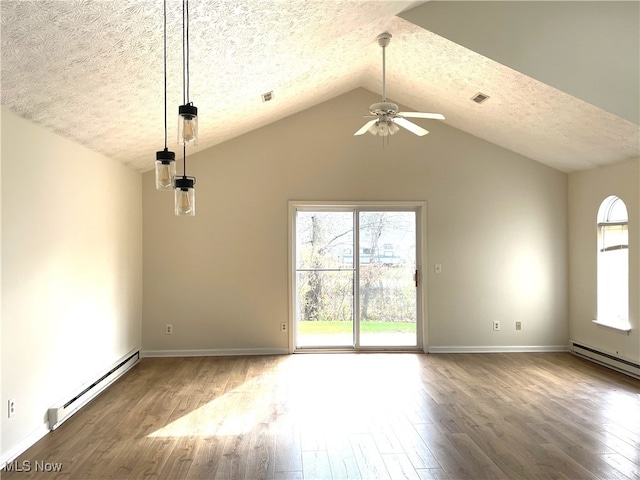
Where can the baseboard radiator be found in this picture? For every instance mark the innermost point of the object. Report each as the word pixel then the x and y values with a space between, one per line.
pixel 619 364
pixel 61 412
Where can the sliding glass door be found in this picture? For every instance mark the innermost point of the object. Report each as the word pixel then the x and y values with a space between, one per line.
pixel 387 293
pixel 356 278
pixel 324 278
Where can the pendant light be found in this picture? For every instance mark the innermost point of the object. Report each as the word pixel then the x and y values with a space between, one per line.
pixel 188 124
pixel 187 113
pixel 184 192
pixel 165 160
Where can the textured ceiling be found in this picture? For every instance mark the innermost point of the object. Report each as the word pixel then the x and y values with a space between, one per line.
pixel 92 71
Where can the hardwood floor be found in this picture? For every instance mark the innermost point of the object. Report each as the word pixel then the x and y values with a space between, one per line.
pixel 344 416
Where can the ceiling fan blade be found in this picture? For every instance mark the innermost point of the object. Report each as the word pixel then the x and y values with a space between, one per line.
pixel 366 127
pixel 412 127
pixel 432 116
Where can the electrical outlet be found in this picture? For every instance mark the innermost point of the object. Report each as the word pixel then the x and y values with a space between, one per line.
pixel 11 407
pixel 496 325
pixel 283 327
pixel 518 325
pixel 168 329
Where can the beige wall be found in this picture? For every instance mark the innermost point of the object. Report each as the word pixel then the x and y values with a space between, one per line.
pixel 497 222
pixel 588 49
pixel 1 395
pixel 71 271
pixel 587 190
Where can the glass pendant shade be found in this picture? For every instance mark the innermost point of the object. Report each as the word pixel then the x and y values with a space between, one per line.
pixel 384 128
pixel 188 124
pixel 185 196
pixel 165 169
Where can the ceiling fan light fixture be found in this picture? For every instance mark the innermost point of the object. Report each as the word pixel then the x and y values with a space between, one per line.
pixel 387 119
pixel 384 128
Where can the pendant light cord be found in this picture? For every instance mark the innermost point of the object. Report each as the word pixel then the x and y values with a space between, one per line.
pixel 185 50
pixel 187 2
pixel 184 160
pixel 185 73
pixel 165 74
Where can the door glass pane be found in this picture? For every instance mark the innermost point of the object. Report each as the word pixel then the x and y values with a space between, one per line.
pixel 325 309
pixel 324 279
pixel 388 305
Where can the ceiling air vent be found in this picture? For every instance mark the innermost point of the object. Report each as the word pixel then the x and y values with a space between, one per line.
pixel 267 97
pixel 479 97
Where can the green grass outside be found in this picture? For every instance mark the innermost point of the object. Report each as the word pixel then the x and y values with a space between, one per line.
pixel 314 328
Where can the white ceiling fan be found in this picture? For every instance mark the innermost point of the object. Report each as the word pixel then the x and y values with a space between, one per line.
pixel 386 116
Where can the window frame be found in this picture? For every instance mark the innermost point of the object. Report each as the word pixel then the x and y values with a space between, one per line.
pixel 605 253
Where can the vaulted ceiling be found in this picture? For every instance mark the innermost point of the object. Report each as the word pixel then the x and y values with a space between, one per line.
pixel 92 70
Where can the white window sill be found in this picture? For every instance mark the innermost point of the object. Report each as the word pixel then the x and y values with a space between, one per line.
pixel 625 328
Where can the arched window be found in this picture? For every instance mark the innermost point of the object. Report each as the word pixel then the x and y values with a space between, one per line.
pixel 613 263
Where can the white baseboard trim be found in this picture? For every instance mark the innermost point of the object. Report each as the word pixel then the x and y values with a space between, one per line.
pixel 21 447
pixel 499 349
pixel 216 352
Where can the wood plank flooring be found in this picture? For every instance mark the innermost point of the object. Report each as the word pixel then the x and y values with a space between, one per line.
pixel 349 416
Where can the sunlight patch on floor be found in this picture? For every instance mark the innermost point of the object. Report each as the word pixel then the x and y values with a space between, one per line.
pixel 312 402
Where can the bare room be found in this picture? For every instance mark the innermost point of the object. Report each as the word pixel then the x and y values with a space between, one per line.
pixel 335 239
